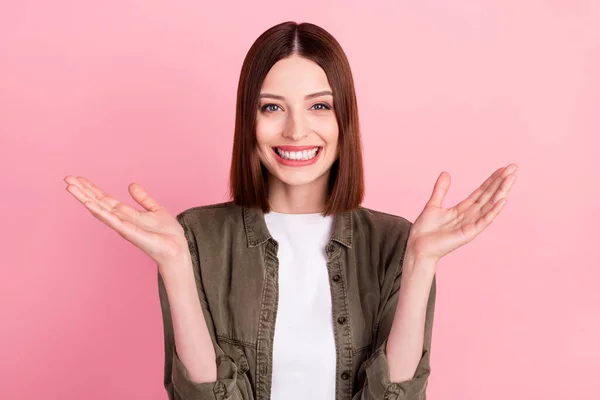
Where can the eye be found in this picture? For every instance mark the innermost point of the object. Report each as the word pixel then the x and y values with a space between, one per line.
pixel 269 108
pixel 321 107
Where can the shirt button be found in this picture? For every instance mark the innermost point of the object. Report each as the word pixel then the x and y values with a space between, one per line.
pixel 341 320
pixel 345 376
pixel 336 278
pixel 262 370
pixel 220 389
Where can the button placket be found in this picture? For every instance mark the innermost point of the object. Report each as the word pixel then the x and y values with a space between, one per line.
pixel 268 315
pixel 335 266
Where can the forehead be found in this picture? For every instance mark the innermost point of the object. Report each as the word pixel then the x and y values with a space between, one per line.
pixel 295 75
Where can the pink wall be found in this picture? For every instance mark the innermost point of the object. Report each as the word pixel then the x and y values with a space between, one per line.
pixel 145 90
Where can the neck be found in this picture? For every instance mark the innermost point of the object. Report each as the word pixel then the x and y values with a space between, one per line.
pixel 298 199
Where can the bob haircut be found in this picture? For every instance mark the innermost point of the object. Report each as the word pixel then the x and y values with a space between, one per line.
pixel 248 177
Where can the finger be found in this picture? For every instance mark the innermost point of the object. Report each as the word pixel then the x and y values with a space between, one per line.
pixel 84 190
pixel 140 195
pixel 84 185
pixel 486 219
pixel 109 202
pixel 97 193
pixel 86 200
pixel 81 195
pixel 442 184
pixel 112 218
pixel 489 191
pixel 104 215
pixel 124 228
pixel 464 205
pixel 501 193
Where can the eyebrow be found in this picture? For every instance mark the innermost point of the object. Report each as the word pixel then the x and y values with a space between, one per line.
pixel 309 96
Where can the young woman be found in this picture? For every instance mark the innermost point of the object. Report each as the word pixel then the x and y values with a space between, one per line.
pixel 293 290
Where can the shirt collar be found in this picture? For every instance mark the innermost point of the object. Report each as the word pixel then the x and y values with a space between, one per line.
pixel 257 232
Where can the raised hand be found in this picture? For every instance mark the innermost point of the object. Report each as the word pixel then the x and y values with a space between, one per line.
pixel 154 230
pixel 437 230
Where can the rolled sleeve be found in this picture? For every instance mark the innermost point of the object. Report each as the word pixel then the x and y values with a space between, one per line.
pixel 177 381
pixel 223 388
pixel 379 384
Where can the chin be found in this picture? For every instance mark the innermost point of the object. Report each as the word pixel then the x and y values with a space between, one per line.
pixel 295 179
pixel 296 176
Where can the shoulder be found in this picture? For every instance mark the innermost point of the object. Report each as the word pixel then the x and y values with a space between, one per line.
pixel 211 216
pixel 380 232
pixel 374 220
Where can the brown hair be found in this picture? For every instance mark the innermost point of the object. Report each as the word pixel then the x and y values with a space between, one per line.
pixel 248 177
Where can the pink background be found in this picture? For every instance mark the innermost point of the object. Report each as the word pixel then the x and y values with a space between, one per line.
pixel 144 91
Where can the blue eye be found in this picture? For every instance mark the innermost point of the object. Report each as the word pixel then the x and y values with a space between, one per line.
pixel 269 108
pixel 322 107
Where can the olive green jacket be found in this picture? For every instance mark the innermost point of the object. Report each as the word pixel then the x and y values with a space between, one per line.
pixel 236 269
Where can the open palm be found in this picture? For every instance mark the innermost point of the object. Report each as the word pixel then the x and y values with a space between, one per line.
pixel 154 230
pixel 437 230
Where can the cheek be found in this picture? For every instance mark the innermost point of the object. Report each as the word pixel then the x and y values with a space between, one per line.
pixel 267 129
pixel 328 129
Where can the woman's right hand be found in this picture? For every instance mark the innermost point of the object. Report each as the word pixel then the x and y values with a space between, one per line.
pixel 153 230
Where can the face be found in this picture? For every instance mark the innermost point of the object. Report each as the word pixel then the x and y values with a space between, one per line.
pixel 296 127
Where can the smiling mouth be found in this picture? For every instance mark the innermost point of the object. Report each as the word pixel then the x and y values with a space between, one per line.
pixel 300 155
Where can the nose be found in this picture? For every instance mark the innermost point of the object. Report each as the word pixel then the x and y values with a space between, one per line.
pixel 295 127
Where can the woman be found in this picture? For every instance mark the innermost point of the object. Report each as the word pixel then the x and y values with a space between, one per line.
pixel 293 290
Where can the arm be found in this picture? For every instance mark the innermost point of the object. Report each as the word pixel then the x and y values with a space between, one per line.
pixel 195 366
pixel 410 327
pixel 190 332
pixel 436 232
pixel 187 323
pixel 399 369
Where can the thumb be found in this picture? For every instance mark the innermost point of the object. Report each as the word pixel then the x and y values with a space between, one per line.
pixel 141 196
pixel 442 184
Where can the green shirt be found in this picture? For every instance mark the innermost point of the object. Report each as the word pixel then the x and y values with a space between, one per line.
pixel 235 266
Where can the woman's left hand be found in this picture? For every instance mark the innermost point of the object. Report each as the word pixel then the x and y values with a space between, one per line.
pixel 437 230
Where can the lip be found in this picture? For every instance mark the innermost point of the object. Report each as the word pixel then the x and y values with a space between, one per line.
pixel 297 163
pixel 296 148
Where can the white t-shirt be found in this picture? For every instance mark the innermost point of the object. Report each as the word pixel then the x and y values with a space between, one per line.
pixel 304 356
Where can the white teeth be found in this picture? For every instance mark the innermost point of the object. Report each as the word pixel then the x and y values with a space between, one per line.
pixel 298 155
